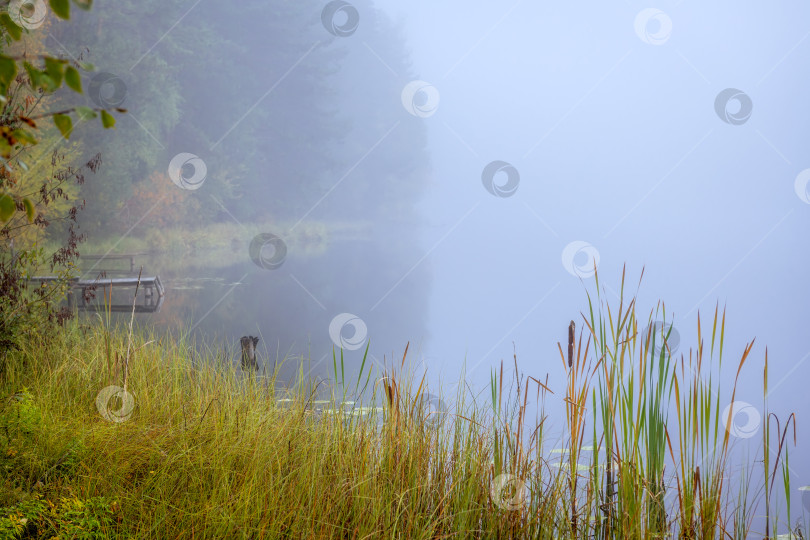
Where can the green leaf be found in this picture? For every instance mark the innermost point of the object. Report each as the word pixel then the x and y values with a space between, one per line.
pixel 7 207
pixel 73 79
pixel 64 123
pixel 13 30
pixel 53 68
pixel 107 120
pixel 23 135
pixel 85 113
pixel 84 4
pixel 61 8
pixel 30 211
pixel 8 70
pixel 5 151
pixel 39 79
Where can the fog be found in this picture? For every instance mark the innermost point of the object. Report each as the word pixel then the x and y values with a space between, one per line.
pixel 447 174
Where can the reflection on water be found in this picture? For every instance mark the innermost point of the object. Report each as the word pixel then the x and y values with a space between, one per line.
pixel 138 294
pixel 212 301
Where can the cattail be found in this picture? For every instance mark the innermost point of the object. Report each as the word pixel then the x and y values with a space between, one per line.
pixel 571 344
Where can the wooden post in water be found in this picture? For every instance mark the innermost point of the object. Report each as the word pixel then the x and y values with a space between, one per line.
pixel 249 353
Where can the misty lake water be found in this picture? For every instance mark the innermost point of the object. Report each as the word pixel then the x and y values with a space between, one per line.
pixel 291 307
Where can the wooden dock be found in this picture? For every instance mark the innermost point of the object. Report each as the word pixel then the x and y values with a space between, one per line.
pixel 152 289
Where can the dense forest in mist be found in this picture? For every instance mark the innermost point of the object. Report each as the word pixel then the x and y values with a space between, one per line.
pixel 277 108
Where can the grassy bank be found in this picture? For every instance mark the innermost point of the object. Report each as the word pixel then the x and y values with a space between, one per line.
pixel 201 452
